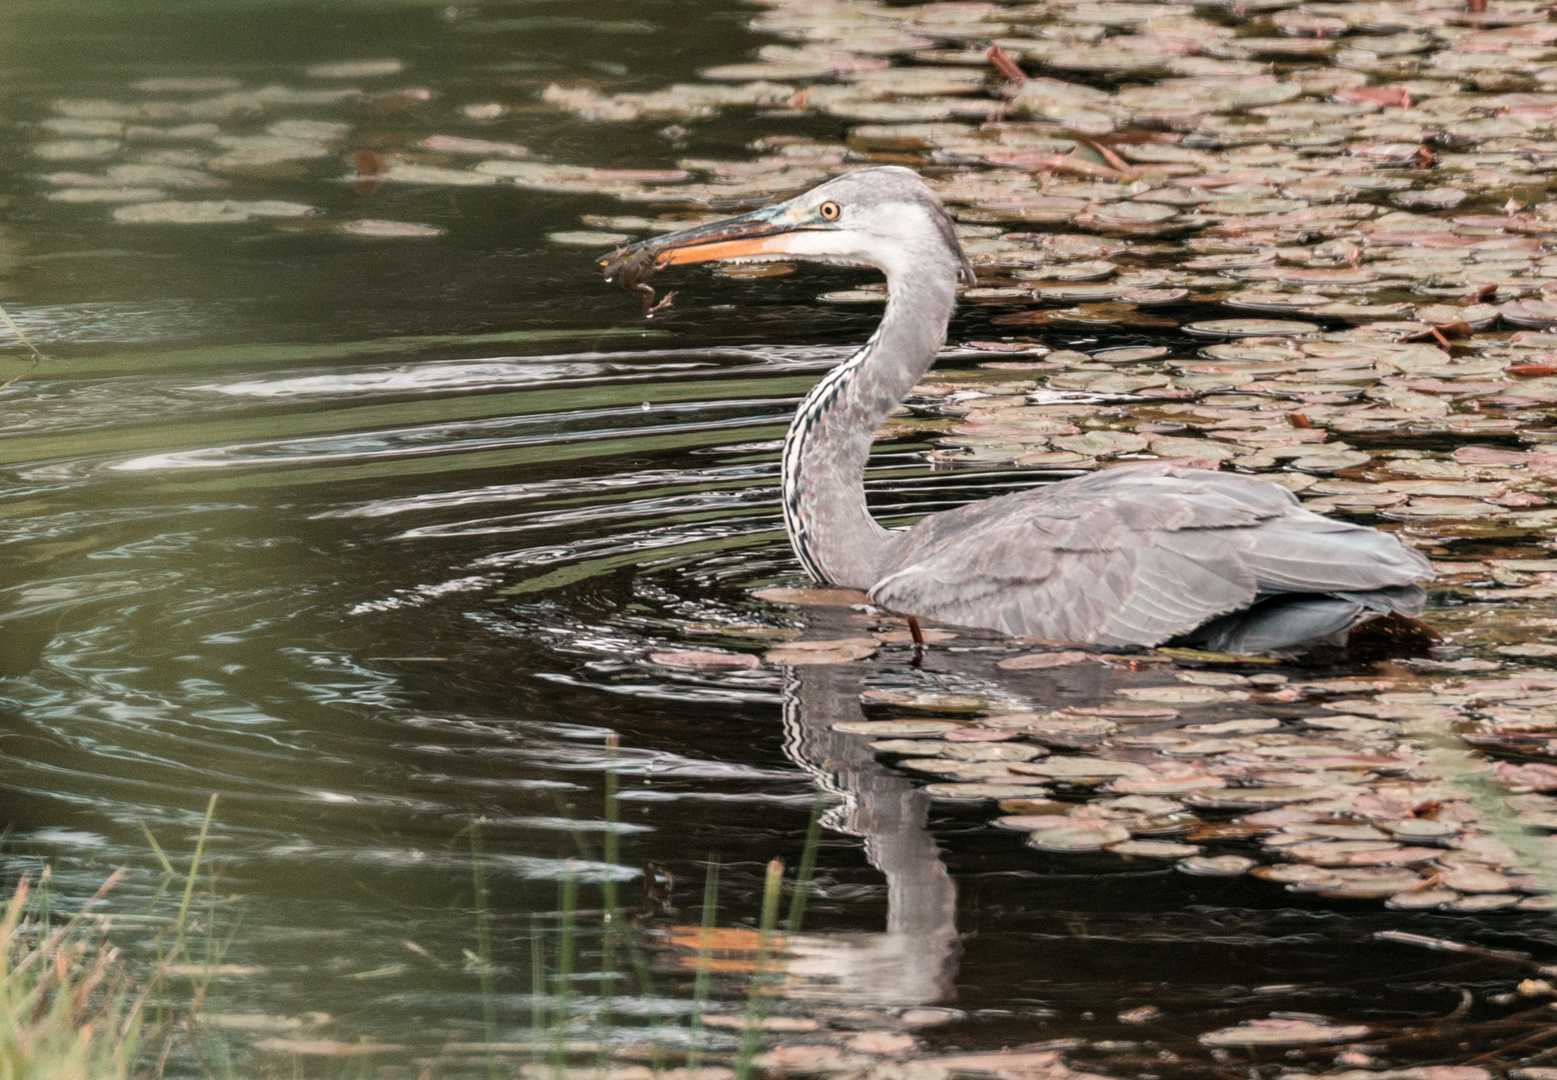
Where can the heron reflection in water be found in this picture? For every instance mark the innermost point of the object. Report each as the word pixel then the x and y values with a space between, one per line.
pixel 1134 555
pixel 915 961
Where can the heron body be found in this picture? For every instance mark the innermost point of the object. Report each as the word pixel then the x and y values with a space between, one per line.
pixel 1133 555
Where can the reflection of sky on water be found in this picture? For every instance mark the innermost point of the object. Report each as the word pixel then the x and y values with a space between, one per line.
pixel 117 323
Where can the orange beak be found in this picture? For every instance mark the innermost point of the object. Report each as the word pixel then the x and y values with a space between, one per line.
pixel 744 247
pixel 762 232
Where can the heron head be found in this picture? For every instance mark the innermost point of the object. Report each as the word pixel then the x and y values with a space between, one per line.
pixel 883 217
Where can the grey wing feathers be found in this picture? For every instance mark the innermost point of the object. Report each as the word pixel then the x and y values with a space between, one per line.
pixel 1286 620
pixel 1133 555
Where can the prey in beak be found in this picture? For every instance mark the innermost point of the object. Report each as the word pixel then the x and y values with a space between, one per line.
pixel 761 234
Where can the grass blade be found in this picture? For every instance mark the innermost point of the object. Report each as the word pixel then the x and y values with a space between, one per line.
pixel 156 849
pixel 567 904
pixel 701 982
pixel 613 915
pixel 537 989
pixel 17 330
pixel 194 872
pixel 750 1035
pixel 797 902
pixel 483 946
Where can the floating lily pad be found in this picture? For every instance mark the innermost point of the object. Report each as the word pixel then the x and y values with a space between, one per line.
pixel 1079 768
pixel 812 597
pixel 389 229
pixel 702 658
pixel 589 239
pixel 227 211
pixel 1284 1033
pixel 1076 838
pixel 901 728
pixel 800 653
pixel 1235 328
pixel 1155 849
pixel 1010 789
pixel 1215 865
pixel 1038 661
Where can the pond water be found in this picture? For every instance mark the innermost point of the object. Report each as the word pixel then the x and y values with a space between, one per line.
pixel 374 533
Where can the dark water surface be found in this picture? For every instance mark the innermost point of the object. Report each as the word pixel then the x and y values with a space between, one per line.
pixel 375 536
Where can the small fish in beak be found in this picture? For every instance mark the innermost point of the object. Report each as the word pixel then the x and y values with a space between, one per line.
pixel 761 233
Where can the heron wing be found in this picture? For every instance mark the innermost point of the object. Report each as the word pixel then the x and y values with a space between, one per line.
pixel 1134 555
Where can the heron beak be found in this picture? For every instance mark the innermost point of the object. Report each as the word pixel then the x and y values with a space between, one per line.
pixel 762 232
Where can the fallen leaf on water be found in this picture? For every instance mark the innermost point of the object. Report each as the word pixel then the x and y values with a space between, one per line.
pixel 1122 712
pixel 1182 695
pixel 1154 849
pixel 809 1059
pixel 326 1047
pixel 389 229
pixel 1283 1033
pixel 765 1023
pixel 813 597
pixel 897 727
pixel 1011 789
pixel 880 1042
pixel 214 969
pixel 898 637
pixel 1215 865
pixel 696 658
pixel 1034 661
pixel 1535 777
pixel 720 938
pixel 978 735
pixel 795 653
pixel 1001 1064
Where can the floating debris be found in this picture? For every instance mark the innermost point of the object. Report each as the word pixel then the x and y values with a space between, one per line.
pixel 355 69
pixel 795 653
pixel 227 211
pixel 379 229
pixel 705 659
pixel 1283 1032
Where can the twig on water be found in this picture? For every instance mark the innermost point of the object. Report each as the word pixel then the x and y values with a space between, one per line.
pixel 1400 937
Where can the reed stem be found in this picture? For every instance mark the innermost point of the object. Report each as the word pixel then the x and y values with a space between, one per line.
pixel 808 855
pixel 702 981
pixel 478 875
pixel 772 886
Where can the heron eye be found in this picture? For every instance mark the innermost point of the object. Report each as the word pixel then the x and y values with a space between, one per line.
pixel 829 211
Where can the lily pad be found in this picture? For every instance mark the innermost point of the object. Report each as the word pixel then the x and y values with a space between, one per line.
pixel 1236 328
pixel 801 653
pixel 1010 789
pixel 812 597
pixel 1077 838
pixel 1155 849
pixel 1215 865
pixel 1284 1033
pixel 900 728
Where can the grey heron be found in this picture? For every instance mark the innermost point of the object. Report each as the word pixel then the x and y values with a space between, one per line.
pixel 1134 555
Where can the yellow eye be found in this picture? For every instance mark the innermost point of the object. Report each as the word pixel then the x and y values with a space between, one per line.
pixel 829 211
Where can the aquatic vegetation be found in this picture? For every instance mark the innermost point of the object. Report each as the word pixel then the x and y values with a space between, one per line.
pixel 66 1007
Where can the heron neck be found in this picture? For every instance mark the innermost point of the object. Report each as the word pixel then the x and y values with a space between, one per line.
pixel 829 525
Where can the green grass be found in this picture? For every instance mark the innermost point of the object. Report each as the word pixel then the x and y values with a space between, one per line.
pixel 66 1008
pixel 756 1000
pixel 70 1010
